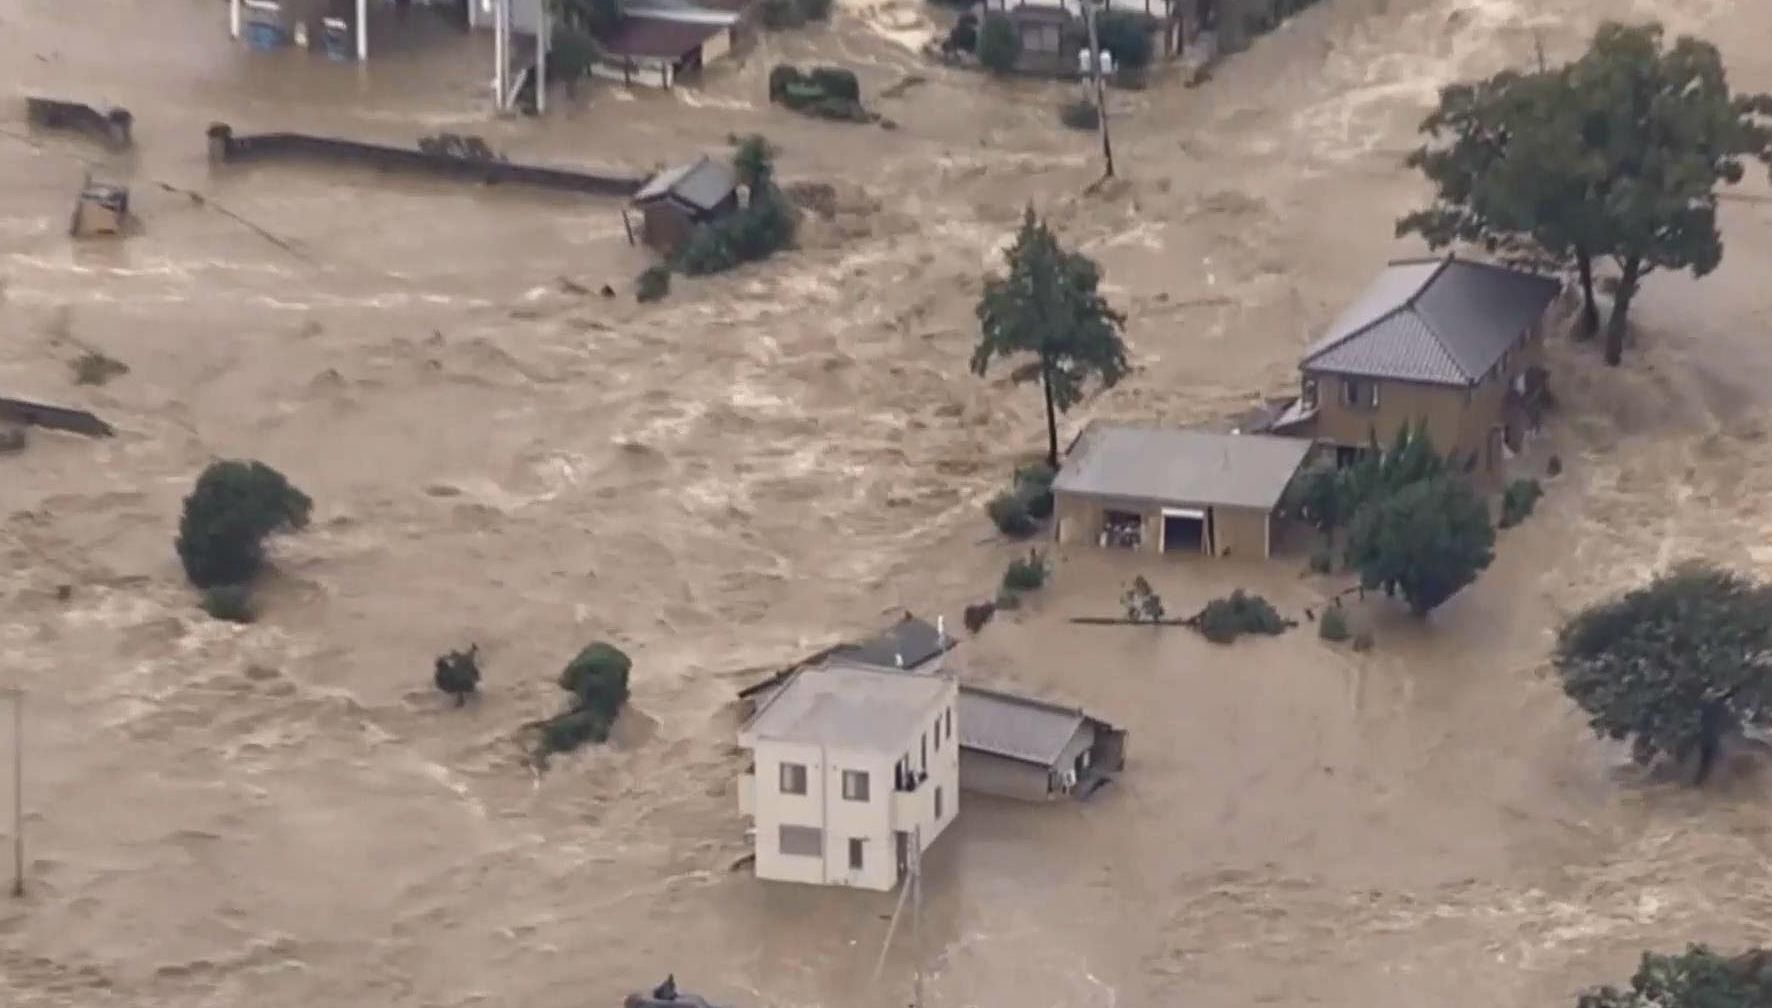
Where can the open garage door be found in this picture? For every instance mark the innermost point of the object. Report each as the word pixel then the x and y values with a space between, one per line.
pixel 1184 530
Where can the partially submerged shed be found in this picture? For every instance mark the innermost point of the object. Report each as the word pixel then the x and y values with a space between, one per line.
pixel 1174 491
pixel 675 201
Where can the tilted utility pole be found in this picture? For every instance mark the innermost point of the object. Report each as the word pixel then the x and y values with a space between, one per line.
pixel 1101 116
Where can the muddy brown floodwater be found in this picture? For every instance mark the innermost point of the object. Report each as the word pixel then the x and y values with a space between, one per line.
pixel 286 815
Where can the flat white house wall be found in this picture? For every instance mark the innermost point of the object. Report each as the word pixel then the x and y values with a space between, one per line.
pixel 840 830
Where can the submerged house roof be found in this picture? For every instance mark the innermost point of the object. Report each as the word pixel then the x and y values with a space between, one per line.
pixel 1441 321
pixel 850 705
pixel 660 35
pixel 702 184
pixel 1181 466
pixel 908 643
pixel 1019 728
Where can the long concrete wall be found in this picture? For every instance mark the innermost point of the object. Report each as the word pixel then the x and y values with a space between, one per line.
pixel 226 147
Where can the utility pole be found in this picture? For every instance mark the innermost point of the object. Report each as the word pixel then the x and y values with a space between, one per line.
pixel 917 916
pixel 1101 116
pixel 17 696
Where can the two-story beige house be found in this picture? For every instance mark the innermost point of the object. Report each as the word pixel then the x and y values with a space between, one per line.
pixel 1451 343
pixel 854 767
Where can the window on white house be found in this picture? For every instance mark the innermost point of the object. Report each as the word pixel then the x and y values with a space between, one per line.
pixel 949 717
pixel 1359 392
pixel 1308 399
pixel 793 778
pixel 855 854
pixel 801 841
pixel 923 753
pixel 938 733
pixel 938 803
pixel 855 785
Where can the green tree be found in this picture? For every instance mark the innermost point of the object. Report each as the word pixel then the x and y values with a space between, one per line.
pixel 754 162
pixel 1696 978
pixel 1126 34
pixel 1511 175
pixel 598 678
pixel 1319 497
pixel 227 516
pixel 999 44
pixel 1425 541
pixel 1674 666
pixel 458 673
pixel 1049 307
pixel 1669 131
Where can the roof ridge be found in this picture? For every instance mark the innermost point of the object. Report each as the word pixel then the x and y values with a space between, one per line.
pixel 1427 323
pixel 1023 701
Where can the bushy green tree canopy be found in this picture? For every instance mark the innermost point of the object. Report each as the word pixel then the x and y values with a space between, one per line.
pixel 1696 978
pixel 227 516
pixel 1049 307
pixel 1674 665
pixel 1616 155
pixel 1425 541
pixel 999 44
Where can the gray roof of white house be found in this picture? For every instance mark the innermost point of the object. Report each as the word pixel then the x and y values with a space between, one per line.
pixel 703 183
pixel 1440 321
pixel 1181 466
pixel 849 705
pixel 1017 727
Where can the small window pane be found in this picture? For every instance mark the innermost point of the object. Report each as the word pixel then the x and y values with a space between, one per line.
pixel 793 778
pixel 854 854
pixel 855 785
pixel 938 803
pixel 802 841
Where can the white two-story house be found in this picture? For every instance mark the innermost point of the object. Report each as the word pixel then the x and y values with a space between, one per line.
pixel 852 765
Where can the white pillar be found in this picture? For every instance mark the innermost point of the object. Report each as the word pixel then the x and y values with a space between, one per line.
pixel 500 52
pixel 362 30
pixel 542 31
pixel 234 18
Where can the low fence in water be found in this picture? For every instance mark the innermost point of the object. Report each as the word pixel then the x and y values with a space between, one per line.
pixel 224 146
pixel 111 125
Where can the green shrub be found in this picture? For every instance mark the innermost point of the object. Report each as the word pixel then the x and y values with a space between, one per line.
pixel 573 729
pixel 1033 484
pixel 94 368
pixel 571 51
pixel 1009 512
pixel 764 226
pixel 458 673
pixel 654 283
pixel 1008 600
pixel 1518 500
pixel 963 37
pixel 1322 562
pixel 999 43
pixel 1026 575
pixel 227 516
pixel 1127 35
pixel 1080 114
pixel 837 82
pixel 598 677
pixel 229 602
pixel 1333 627
pixel 1225 619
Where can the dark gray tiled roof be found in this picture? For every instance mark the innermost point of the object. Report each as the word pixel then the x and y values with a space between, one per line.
pixel 914 640
pixel 1442 321
pixel 1181 466
pixel 702 184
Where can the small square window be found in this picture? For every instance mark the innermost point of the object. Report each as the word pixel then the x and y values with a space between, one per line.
pixel 793 778
pixel 855 785
pixel 801 841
